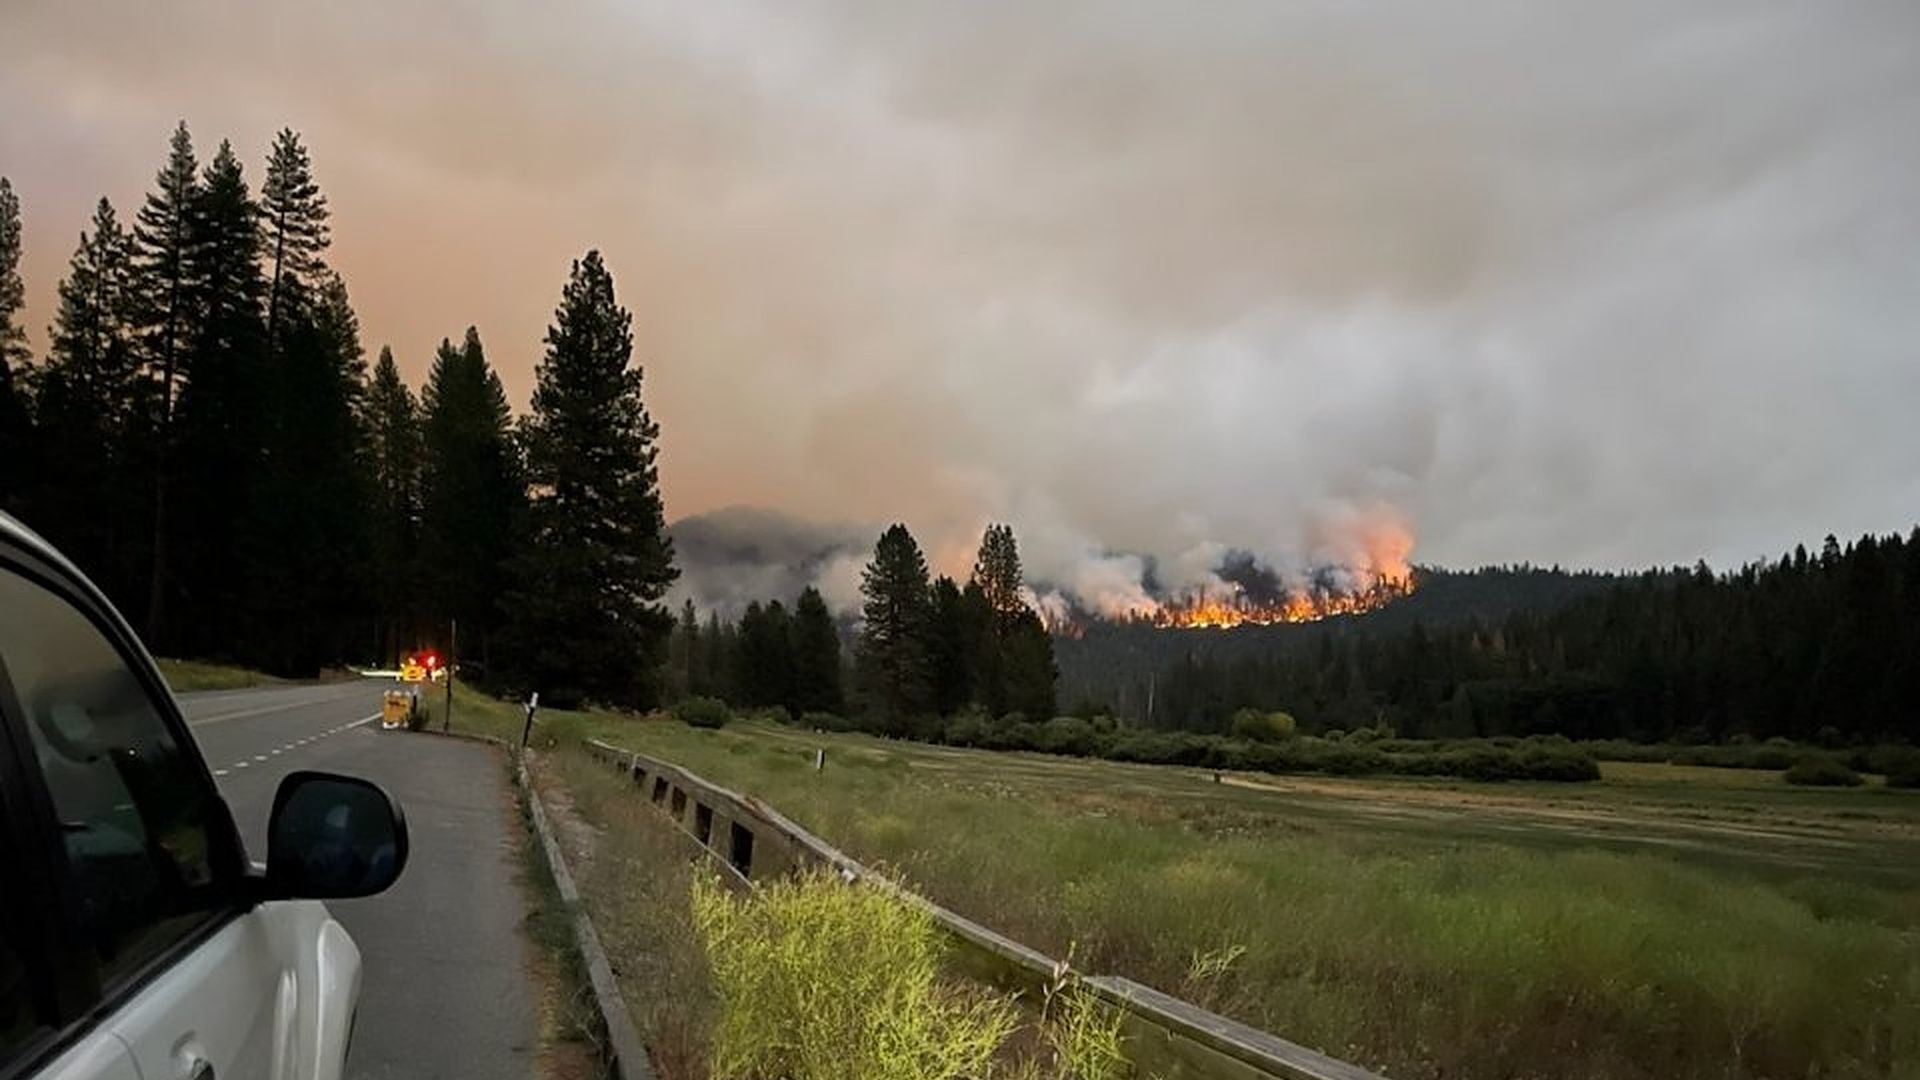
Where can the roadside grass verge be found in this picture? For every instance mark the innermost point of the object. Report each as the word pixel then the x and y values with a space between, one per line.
pixel 569 1024
pixel 635 878
pixel 1470 944
pixel 187 676
pixel 810 979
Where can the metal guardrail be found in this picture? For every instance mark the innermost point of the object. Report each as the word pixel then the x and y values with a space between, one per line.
pixel 1167 1037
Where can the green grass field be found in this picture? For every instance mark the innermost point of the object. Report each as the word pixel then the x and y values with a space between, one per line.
pixel 185 676
pixel 1666 922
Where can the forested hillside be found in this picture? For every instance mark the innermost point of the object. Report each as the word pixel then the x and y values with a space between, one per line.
pixel 1822 647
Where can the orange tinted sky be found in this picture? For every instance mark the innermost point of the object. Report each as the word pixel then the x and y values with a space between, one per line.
pixel 1590 283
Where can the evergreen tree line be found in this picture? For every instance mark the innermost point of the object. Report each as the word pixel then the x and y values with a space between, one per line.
pixel 203 437
pixel 1822 648
pixel 924 649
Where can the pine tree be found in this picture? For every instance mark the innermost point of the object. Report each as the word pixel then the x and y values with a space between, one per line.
pixel 219 424
pixel 816 657
pixel 88 402
pixel 948 648
pixel 393 450
pixel 1030 671
pixel 682 655
pixel 313 594
pixel 294 214
pixel 766 656
pixel 892 658
pixel 996 569
pixel 596 558
pixel 165 280
pixel 1012 652
pixel 471 495
pixel 17 441
pixel 13 291
pixel 980 633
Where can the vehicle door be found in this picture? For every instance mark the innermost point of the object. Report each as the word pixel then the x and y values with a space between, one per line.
pixel 144 859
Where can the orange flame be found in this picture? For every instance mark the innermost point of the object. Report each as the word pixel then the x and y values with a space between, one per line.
pixel 1218 612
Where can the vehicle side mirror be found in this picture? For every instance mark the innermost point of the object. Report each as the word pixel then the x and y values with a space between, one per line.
pixel 332 837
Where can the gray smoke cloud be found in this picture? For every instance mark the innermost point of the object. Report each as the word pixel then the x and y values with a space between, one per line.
pixel 1601 284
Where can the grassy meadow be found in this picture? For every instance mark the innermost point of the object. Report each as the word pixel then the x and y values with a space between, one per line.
pixel 1669 921
pixel 186 676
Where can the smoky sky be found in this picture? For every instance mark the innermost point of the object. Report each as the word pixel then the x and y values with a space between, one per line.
pixel 1597 284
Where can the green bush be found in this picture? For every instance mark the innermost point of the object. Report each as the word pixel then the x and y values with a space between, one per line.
pixel 1560 765
pixel 702 712
pixel 822 721
pixel 1819 770
pixel 1883 758
pixel 1067 735
pixel 1256 726
pixel 967 729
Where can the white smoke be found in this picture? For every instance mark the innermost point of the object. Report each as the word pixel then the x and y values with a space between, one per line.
pixel 732 557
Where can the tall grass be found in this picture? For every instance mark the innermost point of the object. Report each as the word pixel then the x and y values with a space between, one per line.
pixel 820 981
pixel 1416 955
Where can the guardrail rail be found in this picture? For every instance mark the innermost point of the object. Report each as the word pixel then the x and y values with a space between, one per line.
pixel 1167 1037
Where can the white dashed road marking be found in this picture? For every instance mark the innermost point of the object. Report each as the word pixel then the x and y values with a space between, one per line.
pixel 296 743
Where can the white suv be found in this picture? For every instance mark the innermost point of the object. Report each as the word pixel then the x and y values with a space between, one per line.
pixel 137 942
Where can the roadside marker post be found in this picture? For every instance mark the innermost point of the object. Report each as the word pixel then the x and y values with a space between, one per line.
pixel 526 732
pixel 453 655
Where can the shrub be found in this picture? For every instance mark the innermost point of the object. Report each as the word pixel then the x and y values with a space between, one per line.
pixel 1144 747
pixel 967 729
pixel 1558 764
pixel 1883 758
pixel 1341 760
pixel 1067 735
pixel 817 979
pixel 702 712
pixel 1256 726
pixel 821 721
pixel 1819 770
pixel 1906 775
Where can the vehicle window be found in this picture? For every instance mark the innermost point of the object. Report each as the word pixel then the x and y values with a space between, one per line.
pixel 135 814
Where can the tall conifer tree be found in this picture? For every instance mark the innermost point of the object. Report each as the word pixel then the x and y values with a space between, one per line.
pixel 816 657
pixel 393 452
pixel 16 440
pixel 895 619
pixel 221 420
pixel 595 558
pixel 163 236
pixel 293 216
pixel 471 495
pixel 89 394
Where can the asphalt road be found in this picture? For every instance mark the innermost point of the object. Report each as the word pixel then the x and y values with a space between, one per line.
pixel 446 991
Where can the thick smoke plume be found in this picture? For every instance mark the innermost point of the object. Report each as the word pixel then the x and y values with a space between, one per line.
pixel 1598 283
pixel 732 557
